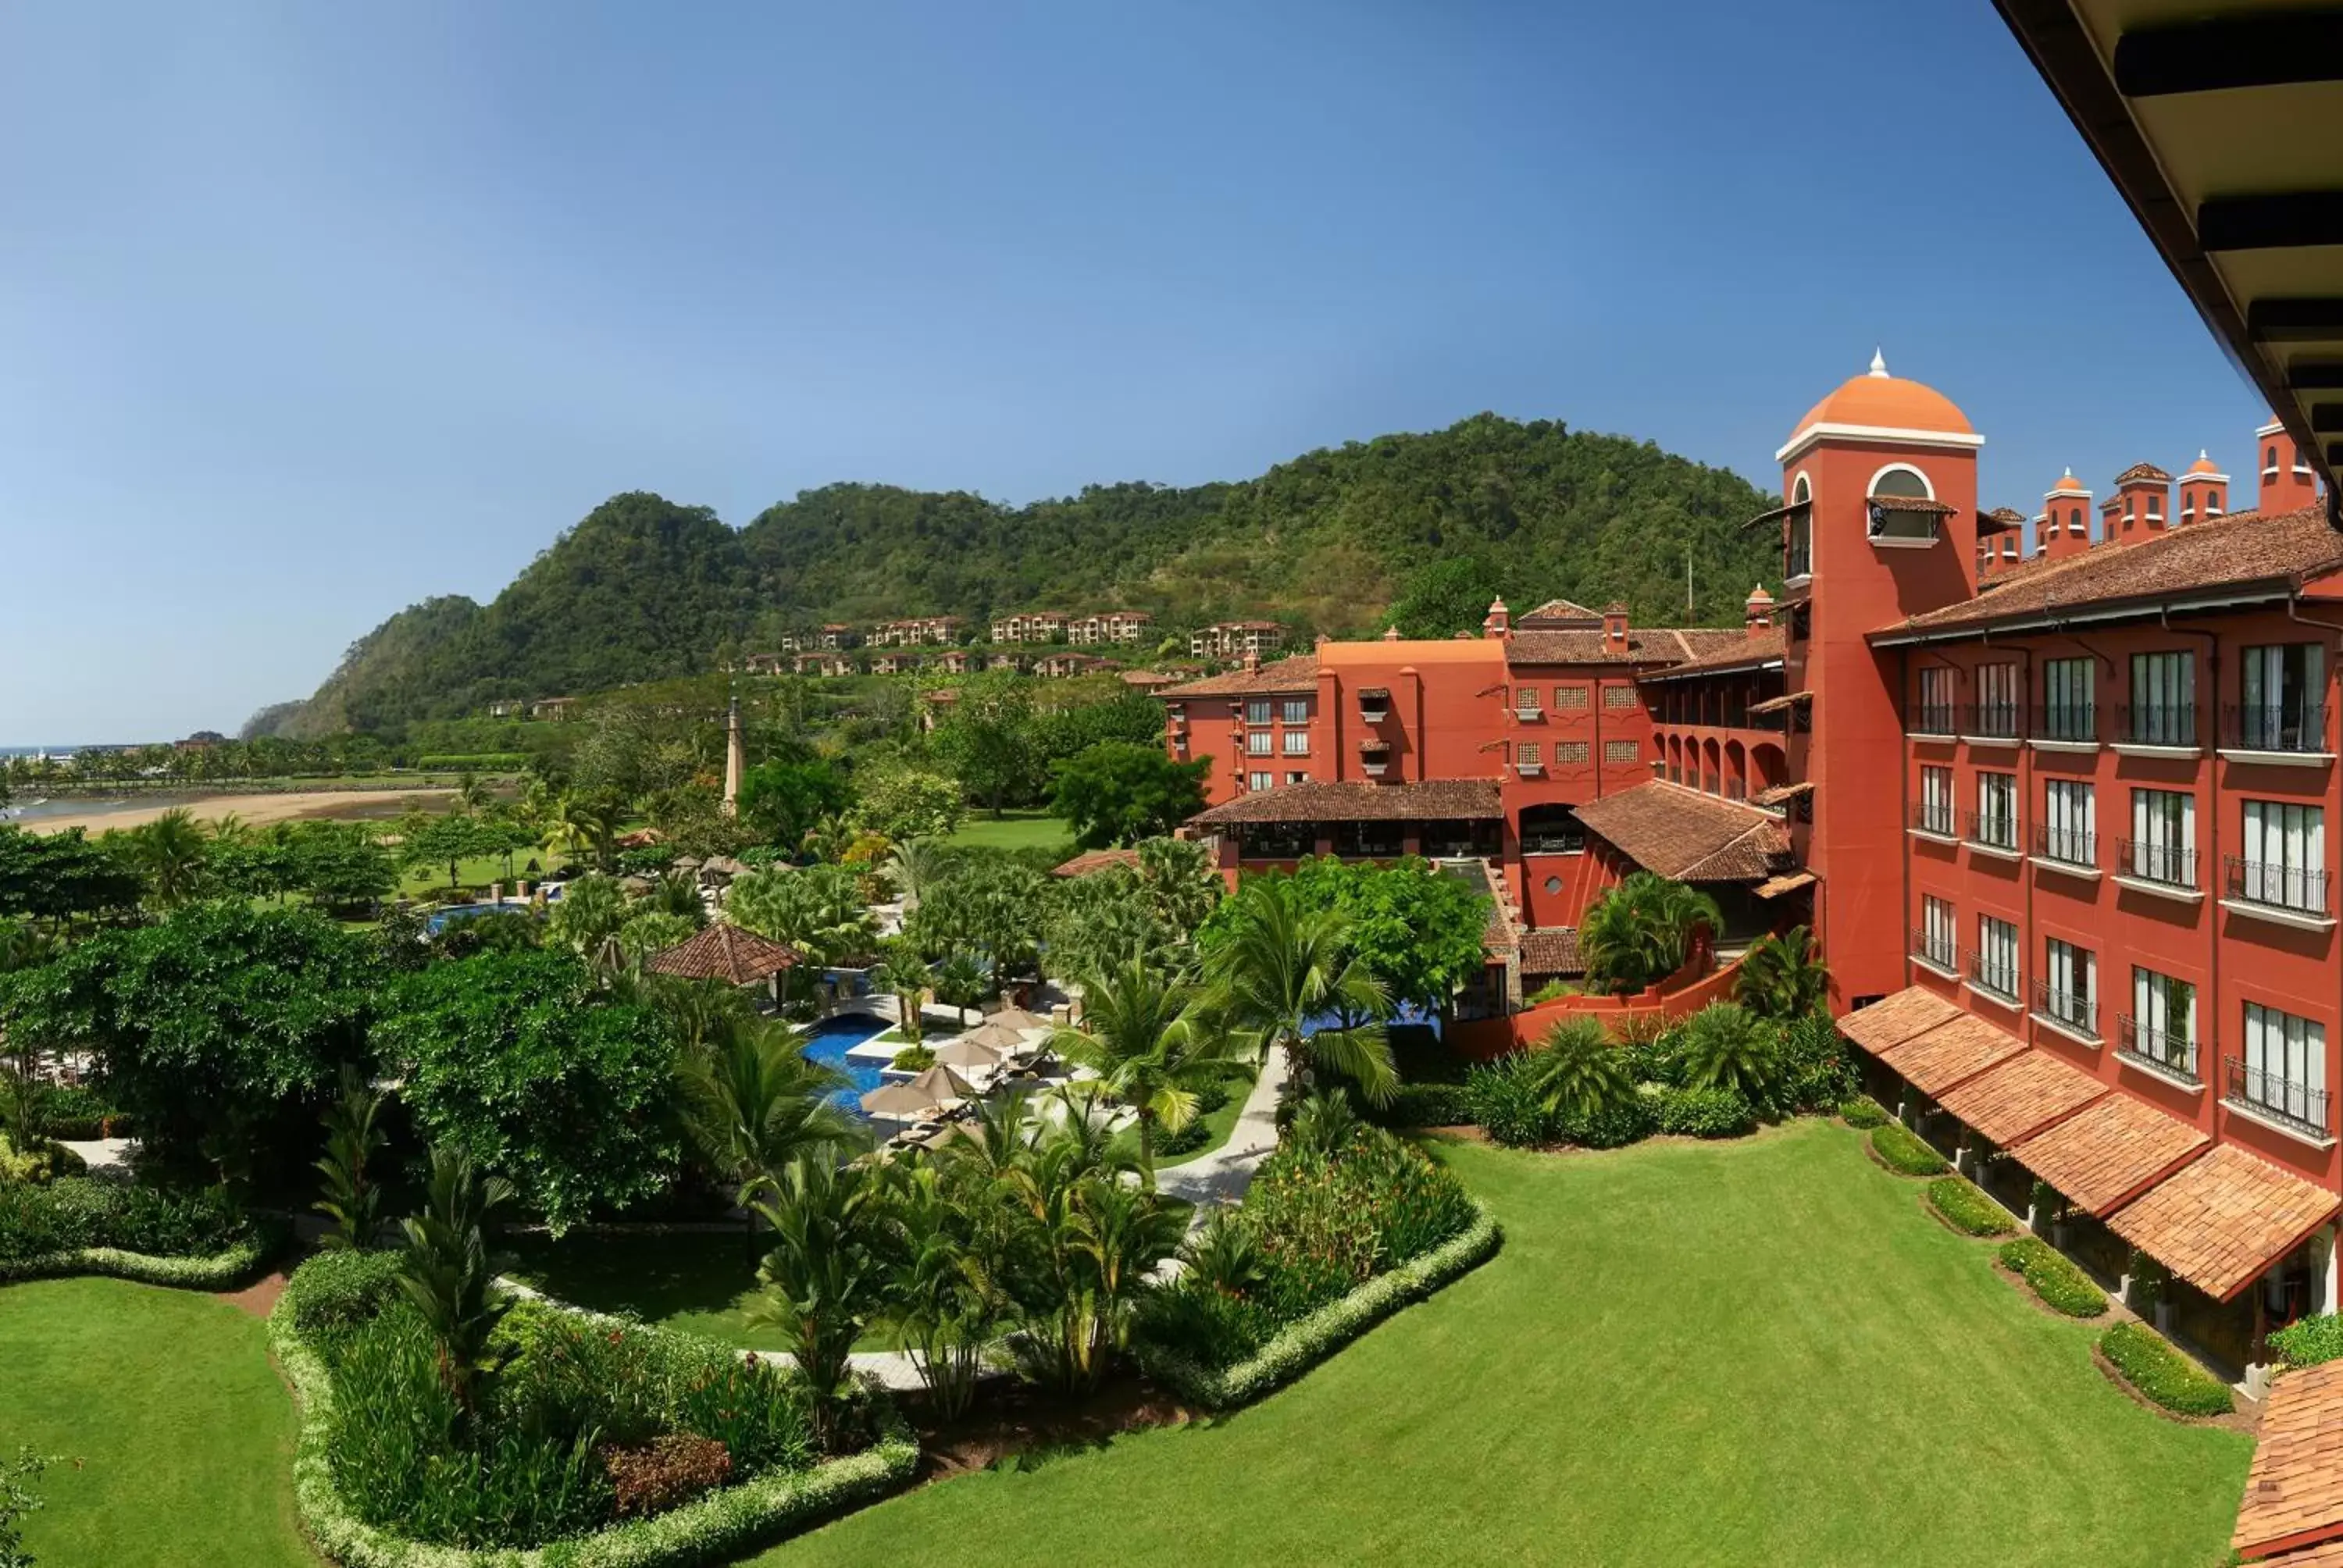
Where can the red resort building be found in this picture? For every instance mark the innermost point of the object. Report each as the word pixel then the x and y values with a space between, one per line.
pixel 2058 818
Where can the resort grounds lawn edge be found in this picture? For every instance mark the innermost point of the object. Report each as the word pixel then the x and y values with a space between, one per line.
pixel 1752 1351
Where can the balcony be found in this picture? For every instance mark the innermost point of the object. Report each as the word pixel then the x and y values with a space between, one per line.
pixel 1528 713
pixel 1995 977
pixel 2171 1056
pixel 1931 720
pixel 2067 849
pixel 1993 832
pixel 1375 757
pixel 1374 705
pixel 2292 732
pixel 2289 895
pixel 1992 723
pixel 2154 728
pixel 2067 1011
pixel 2158 868
pixel 2296 1108
pixel 1530 770
pixel 1933 820
pixel 2065 726
pixel 1935 951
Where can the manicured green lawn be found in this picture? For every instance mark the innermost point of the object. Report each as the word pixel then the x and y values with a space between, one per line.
pixel 166 1398
pixel 478 871
pixel 696 1281
pixel 1014 831
pixel 1757 1353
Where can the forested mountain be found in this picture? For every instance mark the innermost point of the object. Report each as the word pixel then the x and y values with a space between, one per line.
pixel 643 588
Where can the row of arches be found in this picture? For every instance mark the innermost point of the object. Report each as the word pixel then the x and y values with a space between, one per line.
pixel 1730 768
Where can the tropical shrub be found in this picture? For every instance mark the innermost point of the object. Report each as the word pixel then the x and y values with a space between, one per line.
pixel 1815 1074
pixel 2307 1342
pixel 1862 1112
pixel 1966 1208
pixel 1426 1105
pixel 1507 1104
pixel 2151 1364
pixel 43 1160
pixel 1902 1151
pixel 1715 1111
pixel 74 1213
pixel 914 1058
pixel 79 1115
pixel 2053 1277
pixel 1612 1127
pixel 1641 932
pixel 670 1469
pixel 1191 1139
pixel 1781 977
pixel 1725 1046
pixel 1576 1071
pixel 340 1290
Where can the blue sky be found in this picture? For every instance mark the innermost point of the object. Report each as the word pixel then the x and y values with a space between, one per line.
pixel 307 312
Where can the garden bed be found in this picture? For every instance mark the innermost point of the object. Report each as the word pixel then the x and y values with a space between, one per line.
pixel 196 1241
pixel 2146 1365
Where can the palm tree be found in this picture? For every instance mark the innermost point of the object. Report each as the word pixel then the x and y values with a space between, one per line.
pixel 352 1140
pixel 914 866
pixel 170 850
pixel 1281 969
pixel 826 1277
pixel 903 974
pixel 445 1270
pixel 1781 977
pixel 1723 1045
pixel 753 1102
pixel 962 982
pixel 945 1298
pixel 591 912
pixel 676 893
pixel 816 910
pixel 1180 885
pixel 585 822
pixel 1642 931
pixel 1142 1034
pixel 1577 1073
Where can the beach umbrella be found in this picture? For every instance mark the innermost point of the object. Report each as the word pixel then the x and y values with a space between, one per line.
pixel 896 1100
pixel 966 1052
pixel 941 1086
pixel 994 1037
pixel 1017 1018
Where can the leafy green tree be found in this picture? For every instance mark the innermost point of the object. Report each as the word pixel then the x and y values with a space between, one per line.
pixel 340 864
pixel 17 1498
pixel 1120 791
pixel 987 740
pixel 58 877
pixel 588 824
pixel 825 1280
pixel 1151 1046
pixel 993 907
pixel 1284 977
pixel 1102 920
pixel 782 799
pixel 1577 1074
pixel 962 982
pixel 447 839
pixel 648 932
pixel 444 1269
pixel 1641 932
pixel 354 1136
pixel 904 975
pixel 909 803
pixel 589 912
pixel 819 910
pixel 519 1060
pixel 1420 933
pixel 1446 596
pixel 1782 976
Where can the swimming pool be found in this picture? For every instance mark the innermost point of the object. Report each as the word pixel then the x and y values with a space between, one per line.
pixel 828 1043
pixel 437 921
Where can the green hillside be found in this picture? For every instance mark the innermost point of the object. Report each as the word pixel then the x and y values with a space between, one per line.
pixel 644 589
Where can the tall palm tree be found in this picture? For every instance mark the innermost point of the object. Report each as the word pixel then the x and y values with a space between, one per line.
pixel 826 1277
pixel 913 865
pixel 753 1102
pixel 171 851
pixel 588 823
pixel 962 982
pixel 590 910
pixel 1281 969
pixel 1781 977
pixel 903 974
pixel 445 1269
pixel 1642 931
pixel 1150 1045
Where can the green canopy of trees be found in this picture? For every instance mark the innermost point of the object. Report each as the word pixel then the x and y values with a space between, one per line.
pixel 1121 792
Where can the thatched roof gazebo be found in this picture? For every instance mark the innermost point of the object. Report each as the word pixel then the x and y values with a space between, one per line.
pixel 723 951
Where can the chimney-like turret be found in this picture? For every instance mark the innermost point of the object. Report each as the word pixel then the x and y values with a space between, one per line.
pixel 2068 510
pixel 1758 611
pixel 2141 506
pixel 1390 634
pixel 2288 483
pixel 1499 621
pixel 2204 492
pixel 1615 627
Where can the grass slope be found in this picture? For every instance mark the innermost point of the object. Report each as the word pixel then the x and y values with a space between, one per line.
pixel 1756 1353
pixel 1013 830
pixel 184 1432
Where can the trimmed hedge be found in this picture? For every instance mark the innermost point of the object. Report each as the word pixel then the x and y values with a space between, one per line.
pixel 1304 1345
pixel 2053 1277
pixel 1862 1112
pixel 340 1289
pixel 1966 1208
pixel 2149 1363
pixel 1715 1112
pixel 1902 1150
pixel 717 1525
pixel 1424 1105
pixel 220 1271
pixel 2307 1342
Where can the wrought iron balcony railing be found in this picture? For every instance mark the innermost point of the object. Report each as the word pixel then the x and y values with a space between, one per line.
pixel 2067 721
pixel 1931 718
pixel 2300 888
pixel 1934 948
pixel 2067 846
pixel 2297 1104
pixel 2163 863
pixel 2300 726
pixel 2170 724
pixel 1933 817
pixel 1991 721
pixel 1998 976
pixel 1996 828
pixel 2169 1054
pixel 2076 1011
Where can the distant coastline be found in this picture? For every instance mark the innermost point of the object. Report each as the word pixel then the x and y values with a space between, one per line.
pixel 254 806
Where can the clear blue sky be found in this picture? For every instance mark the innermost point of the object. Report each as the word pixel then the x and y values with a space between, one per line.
pixel 309 311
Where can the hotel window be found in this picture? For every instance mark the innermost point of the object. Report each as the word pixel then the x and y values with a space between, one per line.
pixel 1525 754
pixel 1935 715
pixel 1616 751
pixel 1297 743
pixel 2069 990
pixel 1995 967
pixel 1297 777
pixel 1618 696
pixel 1257 710
pixel 2163 837
pixel 1525 701
pixel 1936 801
pixel 2269 463
pixel 2069 702
pixel 1997 812
pixel 1261 780
pixel 1260 743
pixel 2162 1027
pixel 1570 697
pixel 1997 709
pixel 2282 710
pixel 2284 862
pixel 2285 1067
pixel 2069 829
pixel 1572 751
pixel 1295 710
pixel 1938 943
pixel 2163 700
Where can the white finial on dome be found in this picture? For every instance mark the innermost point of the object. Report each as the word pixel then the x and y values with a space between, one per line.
pixel 1878 364
pixel 2203 455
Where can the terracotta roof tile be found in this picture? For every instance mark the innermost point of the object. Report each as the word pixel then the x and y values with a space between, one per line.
pixel 725 951
pixel 2244 548
pixel 2294 1488
pixel 1559 609
pixel 2218 1223
pixel 1686 835
pixel 1090 861
pixel 2021 1097
pixel 1295 674
pixel 1668 646
pixel 1731 650
pixel 1552 951
pixel 2108 1150
pixel 1428 800
pixel 2146 472
pixel 2329 1555
pixel 1952 1053
pixel 1893 1019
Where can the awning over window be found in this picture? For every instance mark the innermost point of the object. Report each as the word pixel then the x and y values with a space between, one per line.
pixel 1776 704
pixel 2021 1097
pixel 1893 1019
pixel 1782 793
pixel 1952 1053
pixel 2294 1490
pixel 2110 1151
pixel 1775 887
pixel 2218 1223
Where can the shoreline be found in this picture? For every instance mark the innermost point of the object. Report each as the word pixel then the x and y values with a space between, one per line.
pixel 255 810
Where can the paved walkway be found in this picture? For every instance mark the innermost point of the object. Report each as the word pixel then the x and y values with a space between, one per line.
pixel 1223 1175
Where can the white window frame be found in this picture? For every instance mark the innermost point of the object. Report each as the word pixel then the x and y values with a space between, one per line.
pixel 2071 973
pixel 1937 813
pixel 1997 798
pixel 2155 1006
pixel 1939 932
pixel 2285 1064
pixel 2284 855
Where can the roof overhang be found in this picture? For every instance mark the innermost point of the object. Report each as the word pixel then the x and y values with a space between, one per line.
pixel 2058 619
pixel 1694 672
pixel 1876 435
pixel 2221 122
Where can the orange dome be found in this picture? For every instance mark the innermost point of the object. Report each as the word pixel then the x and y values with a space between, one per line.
pixel 2067 481
pixel 2203 465
pixel 1884 401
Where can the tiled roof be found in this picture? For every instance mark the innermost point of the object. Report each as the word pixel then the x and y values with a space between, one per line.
pixel 1430 800
pixel 2021 1097
pixel 1552 951
pixel 2108 1150
pixel 1893 1019
pixel 1296 674
pixel 2220 1221
pixel 2327 1555
pixel 1686 835
pixel 1732 650
pixel 2246 547
pixel 2148 472
pixel 1952 1053
pixel 1650 645
pixel 1559 609
pixel 2294 1488
pixel 1090 861
pixel 724 951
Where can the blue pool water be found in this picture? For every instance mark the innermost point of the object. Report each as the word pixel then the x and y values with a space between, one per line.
pixel 828 1043
pixel 438 919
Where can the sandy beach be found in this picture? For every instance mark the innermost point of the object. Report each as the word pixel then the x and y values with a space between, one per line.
pixel 255 810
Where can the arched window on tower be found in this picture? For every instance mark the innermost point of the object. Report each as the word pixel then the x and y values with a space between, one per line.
pixel 2269 462
pixel 1896 483
pixel 1798 552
